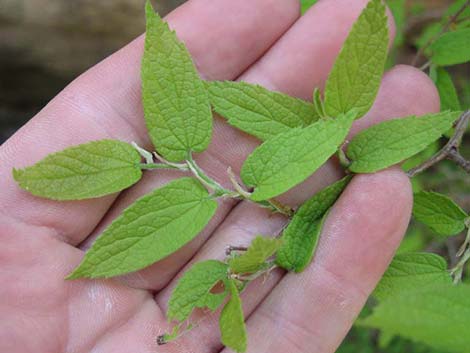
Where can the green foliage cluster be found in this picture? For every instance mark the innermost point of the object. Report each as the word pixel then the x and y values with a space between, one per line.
pixel 415 299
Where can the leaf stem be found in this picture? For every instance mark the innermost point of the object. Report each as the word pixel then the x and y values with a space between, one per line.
pixel 450 150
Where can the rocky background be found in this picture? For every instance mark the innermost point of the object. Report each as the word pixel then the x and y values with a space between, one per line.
pixel 44 44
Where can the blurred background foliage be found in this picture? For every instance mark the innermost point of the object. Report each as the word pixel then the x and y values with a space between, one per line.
pixel 44 44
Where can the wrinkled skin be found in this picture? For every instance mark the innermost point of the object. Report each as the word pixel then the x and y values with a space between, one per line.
pixel 265 42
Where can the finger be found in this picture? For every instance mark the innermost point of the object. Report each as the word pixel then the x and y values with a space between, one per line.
pixel 287 64
pixel 247 220
pixel 313 311
pixel 105 102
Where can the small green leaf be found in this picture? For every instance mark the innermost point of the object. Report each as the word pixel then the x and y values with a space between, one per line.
pixel 89 170
pixel 176 105
pixel 399 10
pixel 436 315
pixel 409 271
pixel 254 258
pixel 289 158
pixel 306 4
pixel 451 48
pixel 152 228
pixel 439 213
pixel 258 111
pixel 393 141
pixel 356 75
pixel 447 90
pixel 232 323
pixel 300 238
pixel 194 290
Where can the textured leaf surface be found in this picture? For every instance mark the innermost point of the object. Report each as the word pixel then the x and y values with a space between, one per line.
pixel 447 91
pixel 439 213
pixel 355 78
pixel 89 170
pixel 393 141
pixel 194 289
pixel 438 316
pixel 176 105
pixel 254 258
pixel 289 158
pixel 410 271
pixel 451 48
pixel 258 111
pixel 300 238
pixel 152 228
pixel 232 323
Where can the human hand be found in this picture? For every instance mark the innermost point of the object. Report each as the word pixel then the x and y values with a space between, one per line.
pixel 42 241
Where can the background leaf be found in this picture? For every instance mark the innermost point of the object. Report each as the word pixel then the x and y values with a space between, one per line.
pixel 258 111
pixel 89 170
pixel 152 228
pixel 289 158
pixel 393 141
pixel 439 213
pixel 194 289
pixel 232 323
pixel 254 258
pixel 300 238
pixel 447 91
pixel 451 48
pixel 176 105
pixel 438 316
pixel 410 271
pixel 306 4
pixel 356 75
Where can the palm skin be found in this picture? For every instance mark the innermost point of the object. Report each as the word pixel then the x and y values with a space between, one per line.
pixel 263 42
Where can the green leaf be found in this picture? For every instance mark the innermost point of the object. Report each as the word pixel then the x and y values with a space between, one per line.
pixel 254 258
pixel 232 323
pixel 356 75
pixel 258 111
pixel 155 226
pixel 447 90
pixel 398 9
pixel 85 171
pixel 300 238
pixel 289 158
pixel 306 4
pixel 409 271
pixel 451 48
pixel 436 315
pixel 421 157
pixel 194 290
pixel 393 141
pixel 176 105
pixel 439 213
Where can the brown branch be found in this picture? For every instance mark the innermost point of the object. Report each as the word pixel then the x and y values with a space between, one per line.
pixel 450 150
pixel 449 23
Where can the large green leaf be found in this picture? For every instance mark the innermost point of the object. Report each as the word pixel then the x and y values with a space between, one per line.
pixel 194 289
pixel 393 141
pixel 258 111
pixel 89 170
pixel 232 323
pixel 356 75
pixel 436 315
pixel 409 271
pixel 300 238
pixel 176 105
pixel 289 158
pixel 152 228
pixel 439 213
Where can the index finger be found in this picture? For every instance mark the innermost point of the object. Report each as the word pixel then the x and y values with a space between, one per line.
pixel 105 102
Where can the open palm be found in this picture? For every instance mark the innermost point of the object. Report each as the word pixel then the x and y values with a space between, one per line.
pixel 262 41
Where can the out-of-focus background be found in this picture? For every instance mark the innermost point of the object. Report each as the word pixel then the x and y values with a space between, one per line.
pixel 44 44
